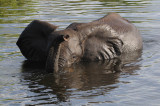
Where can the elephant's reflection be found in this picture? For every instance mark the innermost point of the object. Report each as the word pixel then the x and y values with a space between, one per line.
pixel 82 76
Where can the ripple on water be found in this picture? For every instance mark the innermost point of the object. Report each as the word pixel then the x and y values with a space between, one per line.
pixel 24 83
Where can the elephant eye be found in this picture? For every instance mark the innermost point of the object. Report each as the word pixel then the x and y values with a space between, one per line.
pixel 74 56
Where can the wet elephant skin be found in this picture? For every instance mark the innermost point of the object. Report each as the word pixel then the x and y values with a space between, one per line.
pixel 104 39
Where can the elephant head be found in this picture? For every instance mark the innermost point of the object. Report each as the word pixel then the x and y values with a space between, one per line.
pixel 105 38
pixel 64 49
pixel 40 42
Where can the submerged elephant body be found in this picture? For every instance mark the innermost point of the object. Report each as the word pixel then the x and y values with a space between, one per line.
pixel 105 38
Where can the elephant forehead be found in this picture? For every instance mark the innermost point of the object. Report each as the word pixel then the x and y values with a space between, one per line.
pixel 71 46
pixel 69 32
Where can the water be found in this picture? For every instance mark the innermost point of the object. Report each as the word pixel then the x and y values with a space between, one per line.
pixel 133 81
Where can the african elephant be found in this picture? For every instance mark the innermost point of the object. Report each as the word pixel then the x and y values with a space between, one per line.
pixel 106 38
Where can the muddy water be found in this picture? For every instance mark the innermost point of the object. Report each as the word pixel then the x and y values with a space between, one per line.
pixel 133 80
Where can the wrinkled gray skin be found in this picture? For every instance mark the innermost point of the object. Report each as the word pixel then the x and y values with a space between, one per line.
pixel 105 38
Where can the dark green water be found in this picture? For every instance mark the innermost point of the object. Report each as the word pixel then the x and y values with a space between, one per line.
pixel 137 81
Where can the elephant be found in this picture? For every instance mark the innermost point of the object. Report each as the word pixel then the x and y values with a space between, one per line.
pixel 106 38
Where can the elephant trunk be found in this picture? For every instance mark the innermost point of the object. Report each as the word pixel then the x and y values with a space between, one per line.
pixel 52 59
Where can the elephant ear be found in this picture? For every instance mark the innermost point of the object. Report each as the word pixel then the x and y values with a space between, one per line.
pixel 33 40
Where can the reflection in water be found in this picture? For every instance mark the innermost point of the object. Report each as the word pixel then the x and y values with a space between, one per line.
pixel 80 77
pixel 85 82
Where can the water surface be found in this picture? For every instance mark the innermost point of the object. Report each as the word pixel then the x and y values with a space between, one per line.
pixel 132 81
